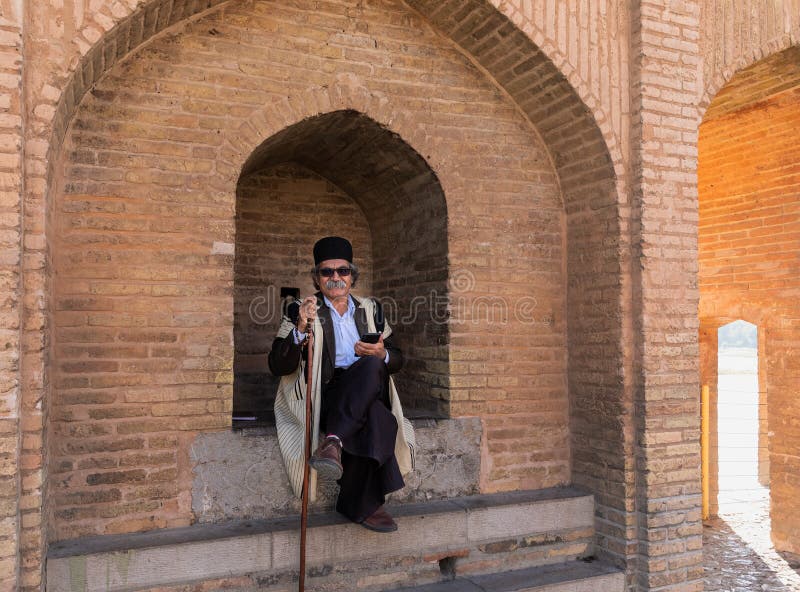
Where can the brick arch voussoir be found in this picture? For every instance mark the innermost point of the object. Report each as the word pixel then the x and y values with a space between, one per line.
pixel 111 32
pixel 157 14
pixel 116 29
pixel 515 13
pixel 751 314
pixel 724 75
pixel 539 80
pixel 344 94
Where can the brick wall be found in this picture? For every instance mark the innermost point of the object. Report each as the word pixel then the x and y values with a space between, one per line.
pixel 146 229
pixel 12 472
pixel 84 43
pixel 749 230
pixel 783 375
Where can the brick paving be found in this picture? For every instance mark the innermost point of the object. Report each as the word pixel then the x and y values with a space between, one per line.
pixel 738 553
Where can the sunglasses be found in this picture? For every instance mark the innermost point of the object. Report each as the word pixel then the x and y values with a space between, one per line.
pixel 329 271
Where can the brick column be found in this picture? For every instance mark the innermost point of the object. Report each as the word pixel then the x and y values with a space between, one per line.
pixel 664 76
pixel 42 45
pixel 783 376
pixel 10 210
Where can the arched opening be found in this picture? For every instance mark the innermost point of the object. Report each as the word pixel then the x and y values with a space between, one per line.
pixel 532 212
pixel 342 173
pixel 748 249
pixel 145 241
pixel 739 411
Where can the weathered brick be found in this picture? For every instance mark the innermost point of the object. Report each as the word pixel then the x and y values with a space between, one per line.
pixel 113 477
pixel 129 316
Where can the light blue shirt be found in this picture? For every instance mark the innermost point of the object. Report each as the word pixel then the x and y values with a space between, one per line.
pixel 345 334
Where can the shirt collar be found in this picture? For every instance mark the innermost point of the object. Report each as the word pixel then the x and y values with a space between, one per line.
pixel 351 307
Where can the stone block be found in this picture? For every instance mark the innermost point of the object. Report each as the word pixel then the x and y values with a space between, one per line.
pixel 124 571
pixel 240 474
pixel 502 522
pixel 267 550
pixel 350 542
pixel 574 576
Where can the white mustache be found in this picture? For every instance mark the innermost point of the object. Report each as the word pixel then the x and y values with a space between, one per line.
pixel 333 284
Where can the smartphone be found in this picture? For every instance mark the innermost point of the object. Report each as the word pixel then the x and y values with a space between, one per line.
pixel 370 337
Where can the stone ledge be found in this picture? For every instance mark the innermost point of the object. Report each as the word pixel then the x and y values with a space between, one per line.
pixel 571 576
pixel 129 562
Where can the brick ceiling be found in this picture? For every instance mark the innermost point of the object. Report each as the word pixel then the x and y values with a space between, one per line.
pixel 773 75
pixel 364 159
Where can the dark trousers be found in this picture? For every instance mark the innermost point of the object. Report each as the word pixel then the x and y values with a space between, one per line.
pixel 355 407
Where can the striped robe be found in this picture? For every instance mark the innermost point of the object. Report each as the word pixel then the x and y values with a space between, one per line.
pixel 290 410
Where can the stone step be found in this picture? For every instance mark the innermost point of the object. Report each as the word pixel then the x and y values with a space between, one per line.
pixel 569 576
pixel 439 539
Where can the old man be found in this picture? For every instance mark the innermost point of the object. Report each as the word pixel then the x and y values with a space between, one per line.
pixel 367 444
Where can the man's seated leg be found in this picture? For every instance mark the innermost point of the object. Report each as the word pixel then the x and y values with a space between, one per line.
pixel 346 408
pixel 347 401
pixel 356 409
pixel 363 489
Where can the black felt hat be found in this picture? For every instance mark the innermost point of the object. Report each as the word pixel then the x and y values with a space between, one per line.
pixel 332 247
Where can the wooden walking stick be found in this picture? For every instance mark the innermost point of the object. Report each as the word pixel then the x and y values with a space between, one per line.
pixel 306 466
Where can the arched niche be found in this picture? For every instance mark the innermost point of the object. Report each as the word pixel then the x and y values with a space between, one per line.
pixel 342 173
pixel 562 242
pixel 145 243
pixel 748 254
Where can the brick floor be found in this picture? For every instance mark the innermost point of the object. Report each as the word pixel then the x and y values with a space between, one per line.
pixel 738 553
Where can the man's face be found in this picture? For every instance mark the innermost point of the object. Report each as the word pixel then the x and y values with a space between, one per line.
pixel 334 286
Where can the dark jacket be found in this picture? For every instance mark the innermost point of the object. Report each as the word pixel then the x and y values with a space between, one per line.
pixel 286 354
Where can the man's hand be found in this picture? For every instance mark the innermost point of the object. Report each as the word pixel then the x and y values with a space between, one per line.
pixel 371 349
pixel 308 312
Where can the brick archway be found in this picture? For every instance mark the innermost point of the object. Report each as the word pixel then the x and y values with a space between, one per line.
pixel 747 237
pixel 175 156
pixel 586 174
pixel 584 189
pixel 114 30
pixel 709 375
pixel 766 50
pixel 390 199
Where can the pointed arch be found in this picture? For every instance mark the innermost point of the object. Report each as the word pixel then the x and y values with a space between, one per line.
pixel 748 222
pixel 583 152
pixel 396 193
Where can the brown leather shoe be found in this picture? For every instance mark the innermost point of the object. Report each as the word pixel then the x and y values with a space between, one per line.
pixel 327 460
pixel 380 521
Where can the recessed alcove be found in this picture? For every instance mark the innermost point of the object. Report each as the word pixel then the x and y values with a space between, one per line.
pixel 341 173
pixel 154 272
